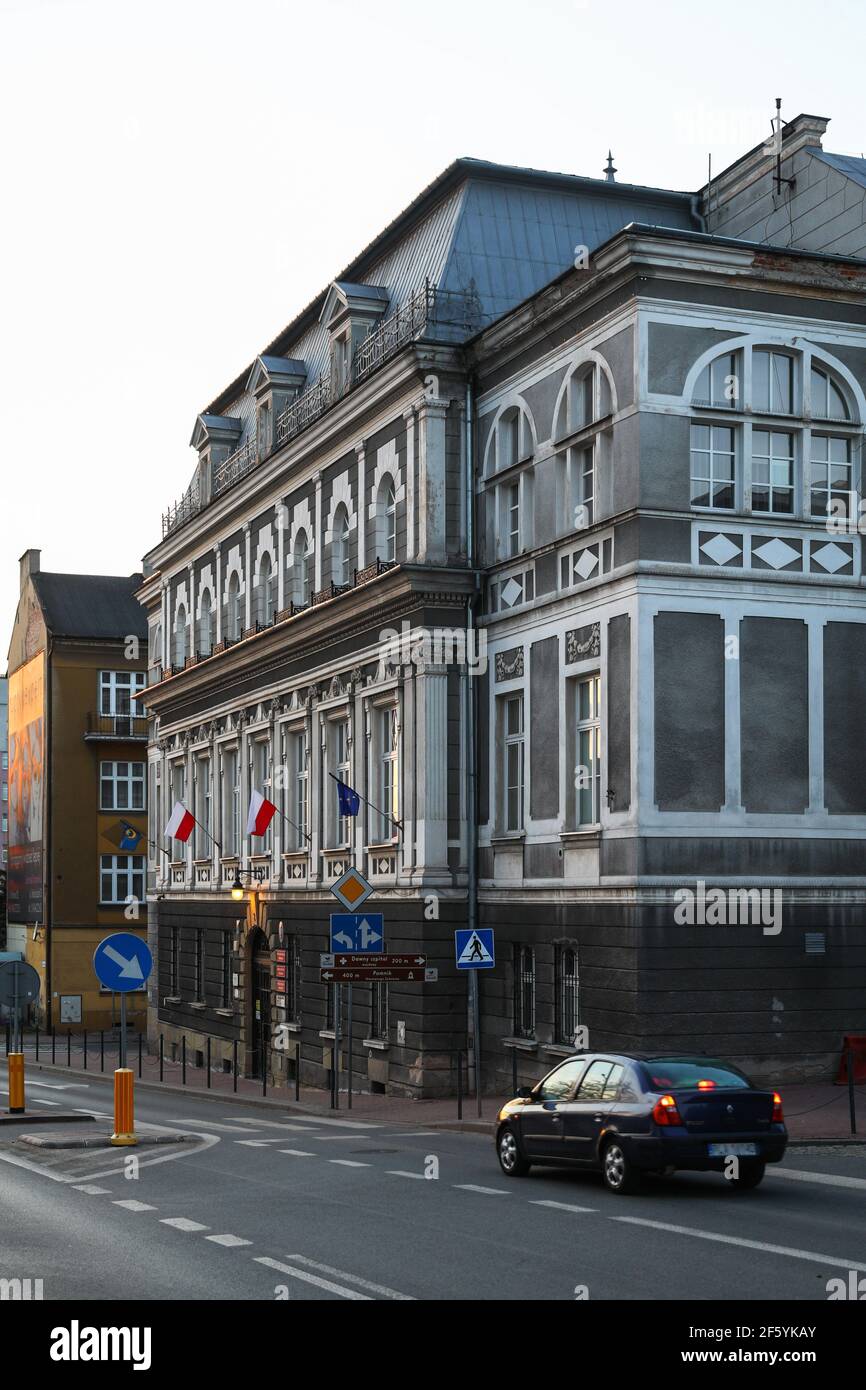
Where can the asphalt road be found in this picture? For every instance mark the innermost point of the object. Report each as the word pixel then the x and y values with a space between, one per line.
pixel 331 1208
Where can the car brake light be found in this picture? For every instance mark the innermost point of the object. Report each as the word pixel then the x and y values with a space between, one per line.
pixel 778 1114
pixel 706 1085
pixel 665 1111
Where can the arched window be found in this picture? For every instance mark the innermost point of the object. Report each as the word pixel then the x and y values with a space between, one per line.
pixel 584 406
pixel 180 637
pixel 205 625
pixel 511 440
pixel 340 546
pixel 156 645
pixel 386 521
pixel 266 598
pixel 233 608
pixel 301 570
pixel 769 426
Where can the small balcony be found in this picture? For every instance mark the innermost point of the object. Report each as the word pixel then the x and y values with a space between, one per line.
pixel 123 728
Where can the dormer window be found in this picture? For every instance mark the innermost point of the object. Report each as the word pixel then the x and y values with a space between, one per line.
pixel 275 382
pixel 350 312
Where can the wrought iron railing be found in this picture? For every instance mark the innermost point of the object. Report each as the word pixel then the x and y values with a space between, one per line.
pixel 120 726
pixel 444 314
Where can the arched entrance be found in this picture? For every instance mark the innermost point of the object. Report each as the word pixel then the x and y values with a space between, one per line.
pixel 259 1013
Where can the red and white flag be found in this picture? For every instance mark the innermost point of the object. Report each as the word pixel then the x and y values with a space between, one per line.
pixel 180 823
pixel 260 815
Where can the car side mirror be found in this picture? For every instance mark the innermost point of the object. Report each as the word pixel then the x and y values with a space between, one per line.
pixel 524 1092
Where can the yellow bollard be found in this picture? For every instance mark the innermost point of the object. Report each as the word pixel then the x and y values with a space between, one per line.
pixel 15 1062
pixel 124 1108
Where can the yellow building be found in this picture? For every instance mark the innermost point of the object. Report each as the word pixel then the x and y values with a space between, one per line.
pixel 77 786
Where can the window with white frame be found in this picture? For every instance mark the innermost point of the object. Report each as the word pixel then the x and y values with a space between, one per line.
pixel 180 635
pixel 156 645
pixel 260 779
pixel 757 466
pixel 511 517
pixel 121 876
pixel 584 408
pixel 386 521
pixel 339 763
pixel 116 691
pixel 297 785
pixel 267 605
pixel 511 440
pixel 121 786
pixel 588 748
pixel 388 781
pixel 340 555
pixel 205 625
pixel 202 795
pixel 154 808
pixel 177 848
pixel 234 618
pixel 231 798
pixel 512 774
pixel 301 578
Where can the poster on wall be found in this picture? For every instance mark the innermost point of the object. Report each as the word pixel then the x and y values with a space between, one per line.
pixel 26 791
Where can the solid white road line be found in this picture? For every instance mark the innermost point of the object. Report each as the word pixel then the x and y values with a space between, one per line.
pixel 831 1179
pixel 488 1191
pixel 417 1134
pixel 131 1205
pixel 209 1124
pixel 227 1240
pixel 90 1189
pixel 181 1223
pixel 311 1279
pixel 561 1206
pixel 353 1279
pixel 257 1143
pixel 791 1252
pixel 348 1163
pixel 297 1153
pixel 400 1173
pixel 305 1123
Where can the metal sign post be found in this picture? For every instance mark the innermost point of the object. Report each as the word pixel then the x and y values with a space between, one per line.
pixel 122 962
pixel 476 1035
pixel 349 1036
pixel 474 949
pixel 19 985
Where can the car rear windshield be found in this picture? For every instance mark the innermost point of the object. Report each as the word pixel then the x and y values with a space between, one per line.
pixel 687 1073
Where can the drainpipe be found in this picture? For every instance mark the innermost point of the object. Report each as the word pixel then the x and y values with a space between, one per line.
pixel 471 716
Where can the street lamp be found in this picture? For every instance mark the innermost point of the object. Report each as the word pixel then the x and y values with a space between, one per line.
pixel 237 889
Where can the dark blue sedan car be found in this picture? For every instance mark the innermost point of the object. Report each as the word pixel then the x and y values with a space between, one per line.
pixel 636 1113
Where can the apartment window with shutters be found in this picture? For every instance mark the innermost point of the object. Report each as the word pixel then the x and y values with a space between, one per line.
pixel 121 786
pixel 566 987
pixel 524 991
pixel 512 774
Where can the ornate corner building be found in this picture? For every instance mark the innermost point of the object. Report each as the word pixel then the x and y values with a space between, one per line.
pixel 528 528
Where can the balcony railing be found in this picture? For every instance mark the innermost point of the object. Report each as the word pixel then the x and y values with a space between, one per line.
pixel 441 315
pixel 116 726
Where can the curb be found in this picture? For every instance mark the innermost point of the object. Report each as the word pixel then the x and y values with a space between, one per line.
pixel 99 1141
pixel 43 1119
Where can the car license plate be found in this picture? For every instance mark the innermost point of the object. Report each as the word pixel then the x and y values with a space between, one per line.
pixel 735 1150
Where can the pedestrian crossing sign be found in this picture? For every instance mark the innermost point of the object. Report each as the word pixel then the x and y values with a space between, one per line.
pixel 474 949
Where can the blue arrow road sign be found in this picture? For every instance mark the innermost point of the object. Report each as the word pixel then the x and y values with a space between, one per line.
pixel 357 931
pixel 122 962
pixel 474 949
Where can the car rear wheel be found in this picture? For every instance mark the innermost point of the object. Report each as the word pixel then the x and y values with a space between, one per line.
pixel 619 1173
pixel 751 1172
pixel 511 1159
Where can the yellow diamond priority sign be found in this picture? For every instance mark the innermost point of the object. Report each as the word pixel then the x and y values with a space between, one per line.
pixel 352 889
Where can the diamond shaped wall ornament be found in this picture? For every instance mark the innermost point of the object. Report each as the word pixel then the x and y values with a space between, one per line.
pixel 831 557
pixel 586 562
pixel 776 553
pixel 510 592
pixel 721 548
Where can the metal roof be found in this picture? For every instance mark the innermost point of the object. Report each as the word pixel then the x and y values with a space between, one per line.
pixel 100 606
pixel 847 164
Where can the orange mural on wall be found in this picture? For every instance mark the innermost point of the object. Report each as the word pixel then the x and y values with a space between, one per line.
pixel 26 791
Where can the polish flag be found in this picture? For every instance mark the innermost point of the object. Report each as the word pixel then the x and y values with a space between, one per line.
pixel 180 823
pixel 260 815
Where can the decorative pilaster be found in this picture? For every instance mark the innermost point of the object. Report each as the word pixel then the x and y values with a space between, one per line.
pixel 409 418
pixel 362 505
pixel 431 714
pixel 218 596
pixel 248 579
pixel 319 546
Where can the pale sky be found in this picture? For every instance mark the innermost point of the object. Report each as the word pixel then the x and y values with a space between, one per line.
pixel 180 179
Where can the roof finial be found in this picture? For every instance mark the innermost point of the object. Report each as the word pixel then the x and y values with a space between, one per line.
pixel 609 169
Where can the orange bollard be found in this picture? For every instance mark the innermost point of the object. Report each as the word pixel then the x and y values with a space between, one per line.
pixel 15 1062
pixel 124 1108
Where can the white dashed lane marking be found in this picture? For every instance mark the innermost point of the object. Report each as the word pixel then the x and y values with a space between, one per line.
pixel 181 1223
pixel 209 1124
pixel 228 1240
pixel 308 1278
pixel 132 1205
pixel 561 1206
pixel 791 1252
pixel 348 1163
pixel 352 1278
pixel 488 1191
pixel 90 1189
pixel 297 1153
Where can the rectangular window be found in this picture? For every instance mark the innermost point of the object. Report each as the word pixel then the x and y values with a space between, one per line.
pixel 116 689
pixel 174 962
pixel 230 801
pixel 296 789
pixel 121 876
pixel 524 991
pixel 293 979
pixel 261 780
pixel 772 471
pixel 388 773
pixel 121 786
pixel 379 1005
pixel 512 518
pixel 512 778
pixel 226 983
pixel 831 482
pixel 198 958
pixel 177 848
pixel 566 985
pixel 339 740
pixel 203 840
pixel 588 730
pixel 713 464
pixel 772 382
pixel 154 810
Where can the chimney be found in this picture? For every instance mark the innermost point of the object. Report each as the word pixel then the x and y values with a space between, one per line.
pixel 28 564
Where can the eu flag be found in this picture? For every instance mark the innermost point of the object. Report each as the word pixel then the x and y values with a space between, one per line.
pixel 348 799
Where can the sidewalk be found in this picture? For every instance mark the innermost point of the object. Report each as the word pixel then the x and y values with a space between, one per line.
pixel 813 1110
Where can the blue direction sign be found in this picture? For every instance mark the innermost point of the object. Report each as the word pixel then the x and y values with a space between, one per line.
pixel 474 949
pixel 122 962
pixel 357 931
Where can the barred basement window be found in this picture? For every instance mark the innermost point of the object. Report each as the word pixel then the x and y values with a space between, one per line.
pixel 566 984
pixel 524 992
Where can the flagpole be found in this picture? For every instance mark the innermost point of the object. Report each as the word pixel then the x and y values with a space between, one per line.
pixel 308 838
pixel 377 809
pixel 205 829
